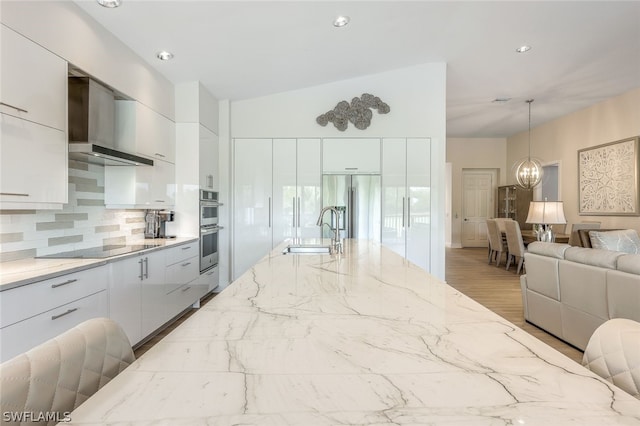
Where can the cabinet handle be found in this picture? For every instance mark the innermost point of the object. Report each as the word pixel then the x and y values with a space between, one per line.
pixel 351 168
pixel 403 198
pixel 17 194
pixel 55 317
pixel 159 155
pixel 141 271
pixel 159 201
pixel 64 283
pixel 186 248
pixel 293 214
pixel 146 267
pixel 14 107
pixel 408 212
pixel 186 289
pixel 186 264
pixel 269 212
pixel 209 273
pixel 299 213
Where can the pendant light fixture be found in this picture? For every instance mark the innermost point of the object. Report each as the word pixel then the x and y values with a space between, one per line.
pixel 528 171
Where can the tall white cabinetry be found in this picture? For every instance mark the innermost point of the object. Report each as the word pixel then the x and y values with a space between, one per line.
pixel 277 195
pixel 406 198
pixel 33 119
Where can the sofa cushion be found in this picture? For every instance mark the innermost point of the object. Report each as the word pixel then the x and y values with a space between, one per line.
pixel 625 240
pixel 548 249
pixel 629 263
pixel 595 257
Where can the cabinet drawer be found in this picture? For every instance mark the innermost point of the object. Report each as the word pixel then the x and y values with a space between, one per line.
pixel 182 253
pixel 181 273
pixel 24 335
pixel 185 296
pixel 27 301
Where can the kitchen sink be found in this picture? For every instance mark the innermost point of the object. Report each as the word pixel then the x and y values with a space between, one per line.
pixel 307 249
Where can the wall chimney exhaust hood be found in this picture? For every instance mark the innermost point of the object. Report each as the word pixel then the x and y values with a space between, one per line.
pixel 92 124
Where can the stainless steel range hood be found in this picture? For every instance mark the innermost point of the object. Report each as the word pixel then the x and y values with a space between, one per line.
pixel 92 111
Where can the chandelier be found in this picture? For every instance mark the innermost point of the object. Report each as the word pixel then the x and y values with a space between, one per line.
pixel 528 171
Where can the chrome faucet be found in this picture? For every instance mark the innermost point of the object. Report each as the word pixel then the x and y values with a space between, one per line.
pixel 335 241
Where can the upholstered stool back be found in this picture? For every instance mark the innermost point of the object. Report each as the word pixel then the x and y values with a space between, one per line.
pixel 613 353
pixel 57 376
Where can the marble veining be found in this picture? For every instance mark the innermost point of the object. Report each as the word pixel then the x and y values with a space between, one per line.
pixel 362 338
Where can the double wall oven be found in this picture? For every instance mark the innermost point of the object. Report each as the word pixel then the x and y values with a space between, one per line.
pixel 208 229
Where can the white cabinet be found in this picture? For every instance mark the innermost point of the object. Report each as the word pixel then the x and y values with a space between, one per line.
pixel 252 216
pixel 182 286
pixel 357 155
pixel 125 296
pixel 54 306
pixel 33 81
pixel 297 189
pixel 33 163
pixel 208 159
pixel 142 187
pixel 33 110
pixel 141 130
pixel 278 187
pixel 406 198
pixel 152 291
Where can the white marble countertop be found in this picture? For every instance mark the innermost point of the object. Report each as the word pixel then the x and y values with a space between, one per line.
pixel 363 338
pixel 28 271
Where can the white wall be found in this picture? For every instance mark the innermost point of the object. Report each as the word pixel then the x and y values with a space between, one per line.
pixel 66 30
pixel 416 95
pixel 559 141
pixel 472 153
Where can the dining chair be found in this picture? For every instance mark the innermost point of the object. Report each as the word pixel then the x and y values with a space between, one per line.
pixel 496 243
pixel 58 375
pixel 515 245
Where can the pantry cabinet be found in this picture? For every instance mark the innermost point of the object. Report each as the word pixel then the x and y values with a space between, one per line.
pixel 406 198
pixel 208 159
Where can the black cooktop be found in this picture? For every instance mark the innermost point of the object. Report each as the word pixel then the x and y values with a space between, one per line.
pixel 99 252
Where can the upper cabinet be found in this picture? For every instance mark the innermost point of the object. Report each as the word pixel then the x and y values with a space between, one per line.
pixel 141 130
pixel 33 123
pixel 208 159
pixel 33 82
pixel 351 156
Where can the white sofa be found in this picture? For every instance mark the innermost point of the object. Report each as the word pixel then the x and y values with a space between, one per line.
pixel 570 291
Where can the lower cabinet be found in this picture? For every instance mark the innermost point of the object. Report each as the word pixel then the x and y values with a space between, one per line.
pixel 54 306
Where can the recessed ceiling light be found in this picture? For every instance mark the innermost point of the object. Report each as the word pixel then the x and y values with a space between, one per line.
pixel 341 21
pixel 523 48
pixel 109 3
pixel 164 55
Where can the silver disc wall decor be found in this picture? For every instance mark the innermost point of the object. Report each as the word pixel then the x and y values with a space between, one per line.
pixel 358 112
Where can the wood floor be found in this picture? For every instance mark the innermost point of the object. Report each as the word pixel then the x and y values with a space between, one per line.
pixel 467 270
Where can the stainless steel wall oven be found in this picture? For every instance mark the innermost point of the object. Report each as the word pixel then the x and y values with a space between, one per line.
pixel 208 229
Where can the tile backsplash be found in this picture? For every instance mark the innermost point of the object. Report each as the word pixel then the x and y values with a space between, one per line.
pixel 82 223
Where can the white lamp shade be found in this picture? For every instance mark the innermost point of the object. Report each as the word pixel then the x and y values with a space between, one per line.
pixel 546 212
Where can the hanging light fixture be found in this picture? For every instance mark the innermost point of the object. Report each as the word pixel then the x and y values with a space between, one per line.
pixel 528 171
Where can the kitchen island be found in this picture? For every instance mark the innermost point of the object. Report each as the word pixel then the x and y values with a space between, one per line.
pixel 360 338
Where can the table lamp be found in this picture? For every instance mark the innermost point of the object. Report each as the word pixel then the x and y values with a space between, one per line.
pixel 545 214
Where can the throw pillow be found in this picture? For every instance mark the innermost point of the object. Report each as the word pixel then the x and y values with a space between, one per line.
pixel 625 240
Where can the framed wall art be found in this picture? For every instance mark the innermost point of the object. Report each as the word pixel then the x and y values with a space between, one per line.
pixel 608 179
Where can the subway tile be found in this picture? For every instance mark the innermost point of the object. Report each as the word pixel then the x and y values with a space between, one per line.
pixel 135 219
pixel 107 228
pixel 80 180
pixel 136 231
pixel 90 188
pixel 71 216
pixel 48 226
pixel 11 237
pixel 57 241
pixel 114 241
pixel 93 203
pixel 17 255
pixel 77 165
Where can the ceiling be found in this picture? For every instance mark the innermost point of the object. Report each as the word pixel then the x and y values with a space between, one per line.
pixel 582 52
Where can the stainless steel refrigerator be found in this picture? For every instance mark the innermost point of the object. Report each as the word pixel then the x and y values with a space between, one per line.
pixel 359 201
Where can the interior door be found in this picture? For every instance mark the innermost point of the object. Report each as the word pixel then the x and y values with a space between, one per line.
pixel 477 207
